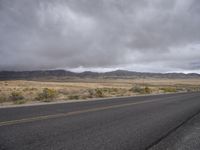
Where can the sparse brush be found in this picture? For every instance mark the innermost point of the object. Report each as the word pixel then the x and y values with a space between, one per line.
pixel 20 102
pixel 147 90
pixel 45 91
pixel 137 89
pixel 29 89
pixel 90 93
pixel 3 98
pixel 73 97
pixel 168 89
pixel 98 93
pixel 15 96
pixel 47 95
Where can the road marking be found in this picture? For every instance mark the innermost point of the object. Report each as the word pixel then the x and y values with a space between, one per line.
pixel 45 117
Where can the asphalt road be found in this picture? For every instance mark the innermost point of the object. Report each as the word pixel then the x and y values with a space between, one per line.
pixel 133 123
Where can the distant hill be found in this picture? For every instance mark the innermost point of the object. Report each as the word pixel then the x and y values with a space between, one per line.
pixel 59 74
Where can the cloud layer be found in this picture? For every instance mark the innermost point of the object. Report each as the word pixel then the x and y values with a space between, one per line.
pixel 141 35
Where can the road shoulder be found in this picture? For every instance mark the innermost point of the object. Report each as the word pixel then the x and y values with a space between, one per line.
pixel 187 137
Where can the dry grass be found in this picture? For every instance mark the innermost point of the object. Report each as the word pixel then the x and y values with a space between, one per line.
pixel 89 88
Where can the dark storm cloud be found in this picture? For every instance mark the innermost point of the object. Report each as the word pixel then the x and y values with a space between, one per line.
pixel 138 35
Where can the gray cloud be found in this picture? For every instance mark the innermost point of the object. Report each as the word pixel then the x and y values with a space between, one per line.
pixel 140 35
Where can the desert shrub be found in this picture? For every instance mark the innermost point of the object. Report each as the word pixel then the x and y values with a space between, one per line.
pixel 3 98
pixel 47 95
pixel 73 97
pixel 193 89
pixel 169 89
pixel 15 96
pixel 147 90
pixel 83 96
pixel 112 90
pixel 95 93
pixel 104 89
pixel 23 101
pixel 91 93
pixel 29 89
pixel 137 89
pixel 98 93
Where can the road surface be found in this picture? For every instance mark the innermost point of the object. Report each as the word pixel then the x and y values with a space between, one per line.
pixel 133 123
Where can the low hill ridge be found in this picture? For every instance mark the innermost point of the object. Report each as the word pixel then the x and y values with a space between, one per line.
pixel 11 75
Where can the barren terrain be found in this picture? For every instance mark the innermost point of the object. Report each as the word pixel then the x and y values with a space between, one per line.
pixel 22 91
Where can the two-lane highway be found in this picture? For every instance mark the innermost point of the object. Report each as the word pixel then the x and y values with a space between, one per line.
pixel 132 123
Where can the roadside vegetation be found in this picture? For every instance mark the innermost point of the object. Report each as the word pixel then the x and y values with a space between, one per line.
pixel 47 95
pixel 168 89
pixel 141 90
pixel 17 98
pixel 20 92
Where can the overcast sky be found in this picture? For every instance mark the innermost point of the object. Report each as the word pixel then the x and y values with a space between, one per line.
pixel 100 35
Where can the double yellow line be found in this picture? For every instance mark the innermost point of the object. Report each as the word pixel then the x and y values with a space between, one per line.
pixel 45 117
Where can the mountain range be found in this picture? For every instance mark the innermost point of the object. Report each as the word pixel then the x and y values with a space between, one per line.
pixel 48 74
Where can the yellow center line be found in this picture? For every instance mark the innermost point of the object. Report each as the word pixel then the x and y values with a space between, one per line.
pixel 45 117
